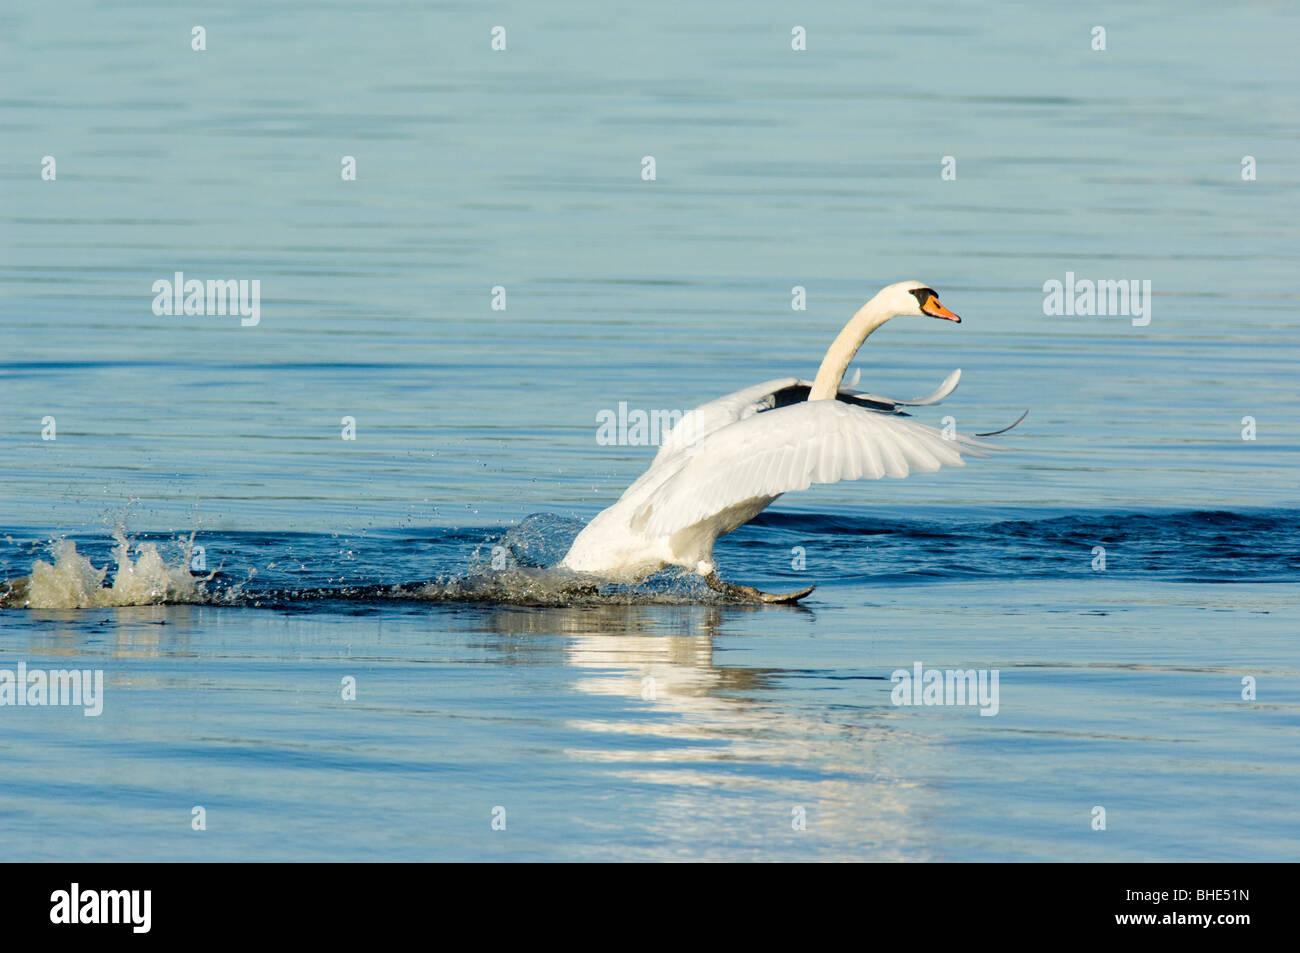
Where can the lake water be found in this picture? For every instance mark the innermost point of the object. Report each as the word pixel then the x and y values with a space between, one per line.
pixel 656 722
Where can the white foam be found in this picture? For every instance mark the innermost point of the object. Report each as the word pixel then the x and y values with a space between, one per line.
pixel 71 581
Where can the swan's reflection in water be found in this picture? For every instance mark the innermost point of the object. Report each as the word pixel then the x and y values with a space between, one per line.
pixel 680 731
pixel 744 747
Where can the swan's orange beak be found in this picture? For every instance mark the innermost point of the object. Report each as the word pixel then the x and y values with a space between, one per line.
pixel 934 309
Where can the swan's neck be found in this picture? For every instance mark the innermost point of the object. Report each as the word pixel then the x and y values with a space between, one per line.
pixel 869 317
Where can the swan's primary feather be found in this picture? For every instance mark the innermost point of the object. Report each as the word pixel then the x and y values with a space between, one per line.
pixel 947 387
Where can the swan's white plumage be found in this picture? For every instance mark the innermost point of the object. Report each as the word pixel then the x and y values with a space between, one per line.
pixel 788 449
pixel 707 418
pixel 728 459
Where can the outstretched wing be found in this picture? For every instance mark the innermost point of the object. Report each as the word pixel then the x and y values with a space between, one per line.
pixel 709 418
pixel 788 449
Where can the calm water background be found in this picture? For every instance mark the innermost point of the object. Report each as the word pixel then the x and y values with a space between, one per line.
pixel 1119 688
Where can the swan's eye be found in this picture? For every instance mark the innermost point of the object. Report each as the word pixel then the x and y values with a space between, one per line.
pixel 923 295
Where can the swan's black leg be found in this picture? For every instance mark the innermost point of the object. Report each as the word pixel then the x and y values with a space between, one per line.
pixel 750 594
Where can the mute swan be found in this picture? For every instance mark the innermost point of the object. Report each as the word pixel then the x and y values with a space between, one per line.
pixel 727 460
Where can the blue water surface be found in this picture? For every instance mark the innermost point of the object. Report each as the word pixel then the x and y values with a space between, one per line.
pixel 657 724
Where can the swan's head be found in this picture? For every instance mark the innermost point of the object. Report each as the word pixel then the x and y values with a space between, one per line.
pixel 914 297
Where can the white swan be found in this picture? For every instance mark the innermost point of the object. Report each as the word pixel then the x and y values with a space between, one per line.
pixel 727 460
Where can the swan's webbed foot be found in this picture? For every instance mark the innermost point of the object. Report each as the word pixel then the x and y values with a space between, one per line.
pixel 750 594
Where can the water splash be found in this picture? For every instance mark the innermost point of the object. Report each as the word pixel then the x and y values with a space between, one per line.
pixel 72 581
pixel 517 565
pixel 514 567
